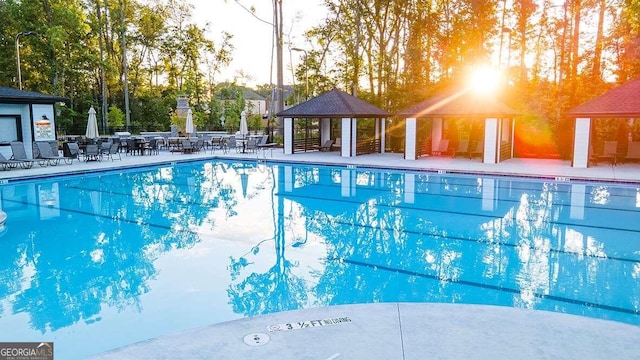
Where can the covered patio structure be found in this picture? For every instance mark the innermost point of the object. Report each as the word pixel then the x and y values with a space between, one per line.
pixel 354 126
pixel 621 104
pixel 491 125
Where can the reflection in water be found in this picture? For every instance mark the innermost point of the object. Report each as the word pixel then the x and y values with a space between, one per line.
pixel 79 246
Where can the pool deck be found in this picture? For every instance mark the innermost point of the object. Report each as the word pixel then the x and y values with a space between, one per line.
pixel 552 169
pixel 391 330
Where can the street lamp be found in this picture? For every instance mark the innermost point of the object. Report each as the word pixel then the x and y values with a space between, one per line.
pixel 306 71
pixel 505 30
pixel 28 33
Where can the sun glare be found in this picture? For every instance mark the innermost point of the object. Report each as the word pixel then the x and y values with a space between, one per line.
pixel 485 80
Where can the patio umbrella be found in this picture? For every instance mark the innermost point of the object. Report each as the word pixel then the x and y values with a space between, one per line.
pixel 188 128
pixel 244 129
pixel 92 125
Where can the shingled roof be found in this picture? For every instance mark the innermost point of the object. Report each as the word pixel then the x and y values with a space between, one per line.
pixel 622 101
pixel 459 104
pixel 15 96
pixel 334 104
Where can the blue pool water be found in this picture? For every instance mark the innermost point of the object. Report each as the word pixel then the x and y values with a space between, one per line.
pixel 97 261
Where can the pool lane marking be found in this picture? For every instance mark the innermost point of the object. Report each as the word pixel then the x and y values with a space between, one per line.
pixel 488 242
pixel 489 286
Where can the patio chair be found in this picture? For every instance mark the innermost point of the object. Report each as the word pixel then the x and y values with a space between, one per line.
pixel 610 152
pixel 114 149
pixel 217 143
pixel 187 147
pixel 478 151
pixel 46 155
pixel 73 151
pixel 251 145
pixel 327 145
pixel 153 147
pixel 443 148
pixel 8 163
pixel 92 153
pixel 233 144
pixel 463 149
pixel 104 148
pixel 633 151
pixel 264 145
pixel 19 153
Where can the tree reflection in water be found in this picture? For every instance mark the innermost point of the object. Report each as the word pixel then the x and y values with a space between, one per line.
pixel 97 247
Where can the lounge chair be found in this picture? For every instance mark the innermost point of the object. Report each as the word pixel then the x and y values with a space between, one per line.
pixel 463 149
pixel 633 151
pixel 73 151
pixel 443 148
pixel 478 151
pixel 9 164
pixel 19 153
pixel 609 152
pixel 327 145
pixel 46 155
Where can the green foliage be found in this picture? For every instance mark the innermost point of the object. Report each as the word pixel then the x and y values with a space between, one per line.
pixel 115 117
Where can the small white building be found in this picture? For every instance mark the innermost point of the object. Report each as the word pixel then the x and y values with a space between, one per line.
pixel 26 116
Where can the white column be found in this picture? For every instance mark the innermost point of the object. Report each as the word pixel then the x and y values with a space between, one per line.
pixel 383 135
pixel 436 133
pixel 410 136
pixel 354 136
pixel 581 139
pixel 325 130
pixel 288 136
pixel 491 141
pixel 345 149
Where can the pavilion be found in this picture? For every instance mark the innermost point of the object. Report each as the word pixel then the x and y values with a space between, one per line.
pixel 315 125
pixel 426 121
pixel 622 102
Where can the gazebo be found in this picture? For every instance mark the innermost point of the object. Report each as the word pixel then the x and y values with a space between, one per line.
pixel 622 102
pixel 339 105
pixel 425 122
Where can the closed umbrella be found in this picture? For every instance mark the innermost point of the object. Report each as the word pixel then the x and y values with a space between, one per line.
pixel 188 128
pixel 92 125
pixel 244 129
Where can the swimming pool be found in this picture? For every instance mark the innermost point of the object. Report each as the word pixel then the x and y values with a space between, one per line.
pixel 97 261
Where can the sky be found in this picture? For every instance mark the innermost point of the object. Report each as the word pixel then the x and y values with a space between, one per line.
pixel 252 38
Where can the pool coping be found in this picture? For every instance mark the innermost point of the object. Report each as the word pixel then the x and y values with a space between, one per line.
pixel 403 331
pixel 352 163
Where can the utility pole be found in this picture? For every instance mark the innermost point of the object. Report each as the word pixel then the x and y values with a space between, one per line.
pixel 277 26
pixel 103 85
pixel 124 66
pixel 28 33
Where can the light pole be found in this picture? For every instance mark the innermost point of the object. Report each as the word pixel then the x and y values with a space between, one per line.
pixel 28 33
pixel 505 30
pixel 306 71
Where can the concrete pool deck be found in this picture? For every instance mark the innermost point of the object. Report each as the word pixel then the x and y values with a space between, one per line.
pixel 390 330
pixel 402 331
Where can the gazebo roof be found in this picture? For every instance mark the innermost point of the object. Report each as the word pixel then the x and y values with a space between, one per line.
pixel 11 95
pixel 622 101
pixel 463 103
pixel 334 104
